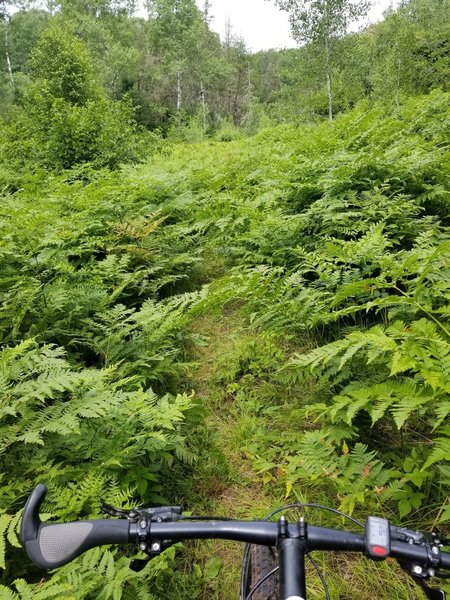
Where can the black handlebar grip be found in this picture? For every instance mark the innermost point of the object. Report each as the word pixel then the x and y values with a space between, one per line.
pixel 53 545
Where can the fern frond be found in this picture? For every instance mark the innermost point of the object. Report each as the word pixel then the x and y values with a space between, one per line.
pixel 5 521
pixel 7 594
pixel 440 452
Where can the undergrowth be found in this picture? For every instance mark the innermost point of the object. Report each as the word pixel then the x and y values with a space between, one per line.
pixel 330 245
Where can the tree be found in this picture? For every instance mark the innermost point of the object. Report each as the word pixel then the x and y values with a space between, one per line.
pixel 239 84
pixel 4 19
pixel 62 63
pixel 65 119
pixel 411 49
pixel 321 23
pixel 207 11
pixel 176 26
pixel 25 28
pixel 97 8
pixel 185 63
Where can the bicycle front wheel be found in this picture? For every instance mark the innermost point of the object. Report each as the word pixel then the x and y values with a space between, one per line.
pixel 263 561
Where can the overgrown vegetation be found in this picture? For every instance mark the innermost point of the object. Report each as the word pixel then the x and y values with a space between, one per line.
pixel 185 82
pixel 335 254
pixel 268 311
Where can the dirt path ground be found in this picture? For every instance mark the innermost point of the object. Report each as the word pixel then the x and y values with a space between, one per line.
pixel 231 487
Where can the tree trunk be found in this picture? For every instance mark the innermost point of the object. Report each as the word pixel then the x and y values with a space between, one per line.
pixel 202 100
pixel 249 93
pixel 328 71
pixel 8 60
pixel 235 110
pixel 397 91
pixel 179 90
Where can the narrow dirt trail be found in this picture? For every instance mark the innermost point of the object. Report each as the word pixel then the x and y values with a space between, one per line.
pixel 227 483
pixel 230 487
pixel 223 416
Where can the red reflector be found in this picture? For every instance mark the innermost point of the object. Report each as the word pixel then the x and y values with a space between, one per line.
pixel 379 550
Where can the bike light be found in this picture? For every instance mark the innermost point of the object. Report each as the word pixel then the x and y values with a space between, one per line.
pixel 379 551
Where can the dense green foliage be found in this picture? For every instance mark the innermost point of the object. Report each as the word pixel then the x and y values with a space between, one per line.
pixel 83 339
pixel 324 250
pixel 332 244
pixel 171 66
pixel 340 236
pixel 407 53
pixel 182 80
pixel 64 118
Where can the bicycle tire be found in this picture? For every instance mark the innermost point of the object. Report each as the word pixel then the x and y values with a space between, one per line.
pixel 262 561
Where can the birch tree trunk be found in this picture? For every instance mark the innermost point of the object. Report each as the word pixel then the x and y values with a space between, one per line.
pixel 179 90
pixel 328 73
pixel 8 60
pixel 202 100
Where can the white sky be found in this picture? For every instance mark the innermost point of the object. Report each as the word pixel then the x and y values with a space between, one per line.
pixel 262 24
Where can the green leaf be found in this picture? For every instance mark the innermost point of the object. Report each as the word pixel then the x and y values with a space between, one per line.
pixel 404 507
pixel 5 521
pixel 212 568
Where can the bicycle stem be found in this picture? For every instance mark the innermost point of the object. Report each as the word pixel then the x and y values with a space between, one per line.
pixel 291 547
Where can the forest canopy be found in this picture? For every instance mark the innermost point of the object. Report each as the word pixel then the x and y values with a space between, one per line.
pixel 180 78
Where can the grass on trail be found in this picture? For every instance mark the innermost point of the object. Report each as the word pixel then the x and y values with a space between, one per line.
pixel 227 483
pixel 228 486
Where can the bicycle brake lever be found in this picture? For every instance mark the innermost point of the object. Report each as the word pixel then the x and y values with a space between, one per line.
pixel 431 593
pixel 420 580
pixel 155 549
pixel 112 511
pixel 159 514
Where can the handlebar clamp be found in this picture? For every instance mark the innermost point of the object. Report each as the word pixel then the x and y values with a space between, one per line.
pixel 160 514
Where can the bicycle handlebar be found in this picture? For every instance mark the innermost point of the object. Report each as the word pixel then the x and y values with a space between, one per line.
pixel 50 546
pixel 53 545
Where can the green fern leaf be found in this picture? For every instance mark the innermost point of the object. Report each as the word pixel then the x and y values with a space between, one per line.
pixel 13 530
pixel 5 521
pixel 7 594
pixel 440 452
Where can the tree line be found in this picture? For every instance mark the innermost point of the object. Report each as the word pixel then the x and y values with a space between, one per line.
pixel 407 53
pixel 180 78
pixel 170 64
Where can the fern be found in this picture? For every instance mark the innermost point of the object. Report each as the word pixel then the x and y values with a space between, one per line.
pixel 60 420
pixel 440 451
pixel 354 476
pixel 332 246
pixel 5 521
